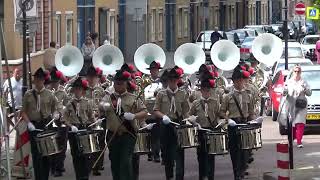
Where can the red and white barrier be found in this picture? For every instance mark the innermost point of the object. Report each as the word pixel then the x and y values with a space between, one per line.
pixel 283 161
pixel 22 166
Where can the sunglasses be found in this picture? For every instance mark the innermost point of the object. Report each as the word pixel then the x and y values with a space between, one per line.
pixel 297 71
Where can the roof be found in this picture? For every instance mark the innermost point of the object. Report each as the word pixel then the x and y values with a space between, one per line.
pixel 292 44
pixel 310 36
pixel 310 67
pixel 296 61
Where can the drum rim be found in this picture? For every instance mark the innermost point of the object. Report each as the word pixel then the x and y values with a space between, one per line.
pixel 42 135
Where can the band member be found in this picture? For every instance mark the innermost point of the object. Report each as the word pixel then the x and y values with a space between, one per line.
pixel 237 107
pixel 171 105
pixel 94 93
pixel 62 97
pixel 205 112
pixel 155 132
pixel 124 111
pixel 38 107
pixel 78 116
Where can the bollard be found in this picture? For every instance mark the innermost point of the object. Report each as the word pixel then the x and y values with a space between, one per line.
pixel 283 161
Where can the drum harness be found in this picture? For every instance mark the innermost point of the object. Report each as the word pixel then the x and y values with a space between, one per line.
pixel 41 114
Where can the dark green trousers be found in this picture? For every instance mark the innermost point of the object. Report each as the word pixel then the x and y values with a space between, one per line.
pixel 120 154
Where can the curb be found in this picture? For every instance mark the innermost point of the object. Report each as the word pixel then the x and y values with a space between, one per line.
pixel 269 176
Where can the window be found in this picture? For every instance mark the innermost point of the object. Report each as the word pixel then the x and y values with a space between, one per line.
pixel 69 28
pixel 153 25
pixel 216 16
pixel 112 27
pixel 58 28
pixel 180 22
pixel 160 27
pixel 185 22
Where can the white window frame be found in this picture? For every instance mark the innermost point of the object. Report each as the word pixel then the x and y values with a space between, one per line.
pixel 58 27
pixel 69 17
pixel 112 25
pixel 153 25
pixel 185 22
pixel 180 22
pixel 160 24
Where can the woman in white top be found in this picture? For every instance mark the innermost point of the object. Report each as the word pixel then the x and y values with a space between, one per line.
pixel 296 90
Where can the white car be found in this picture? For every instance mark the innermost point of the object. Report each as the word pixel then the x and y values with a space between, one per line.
pixel 309 43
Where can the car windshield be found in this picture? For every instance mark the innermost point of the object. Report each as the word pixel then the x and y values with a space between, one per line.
pixel 230 37
pixel 312 77
pixel 290 65
pixel 248 40
pixel 310 40
pixel 240 34
pixel 258 29
pixel 207 37
pixel 294 52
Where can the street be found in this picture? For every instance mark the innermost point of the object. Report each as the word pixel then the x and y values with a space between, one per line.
pixel 265 159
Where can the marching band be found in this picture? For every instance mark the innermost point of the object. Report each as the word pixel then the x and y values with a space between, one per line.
pixel 159 113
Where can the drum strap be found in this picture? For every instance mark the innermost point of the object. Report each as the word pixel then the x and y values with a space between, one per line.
pixel 179 117
pixel 36 98
pixel 238 106
pixel 208 118
pixel 75 111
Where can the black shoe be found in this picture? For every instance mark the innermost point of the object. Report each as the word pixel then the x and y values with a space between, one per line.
pixel 246 173
pixel 57 174
pixel 156 160
pixel 150 158
pixel 96 173
pixel 250 160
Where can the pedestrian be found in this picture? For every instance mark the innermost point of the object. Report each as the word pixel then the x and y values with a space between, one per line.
pixel 78 116
pixel 107 40
pixel 39 106
pixel 237 107
pixel 49 56
pixel 296 89
pixel 87 50
pixel 16 83
pixel 124 111
pixel 317 51
pixel 172 105
pixel 215 36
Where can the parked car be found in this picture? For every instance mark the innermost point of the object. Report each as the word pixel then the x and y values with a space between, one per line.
pixel 276 86
pixel 232 37
pixel 258 28
pixel 311 27
pixel 308 44
pixel 311 74
pixel 243 33
pixel 245 48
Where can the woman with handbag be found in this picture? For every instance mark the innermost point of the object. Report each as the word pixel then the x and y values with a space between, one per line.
pixel 296 90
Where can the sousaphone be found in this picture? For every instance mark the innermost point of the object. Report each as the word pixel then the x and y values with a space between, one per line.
pixel 147 53
pixel 108 58
pixel 69 60
pixel 225 55
pixel 189 57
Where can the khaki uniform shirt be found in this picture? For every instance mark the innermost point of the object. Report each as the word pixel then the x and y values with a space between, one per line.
pixel 198 109
pixel 94 95
pixel 129 103
pixel 82 109
pixel 62 98
pixel 254 91
pixel 229 108
pixel 49 58
pixel 196 94
pixel 163 102
pixel 48 104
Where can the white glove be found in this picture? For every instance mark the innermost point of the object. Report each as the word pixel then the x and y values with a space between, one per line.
pixel 231 123
pixel 166 120
pixel 150 126
pixel 56 116
pixel 74 129
pixel 99 121
pixel 31 127
pixel 192 119
pixel 129 116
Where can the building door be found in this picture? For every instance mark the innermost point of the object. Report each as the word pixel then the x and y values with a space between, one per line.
pixel 222 14
pixel 258 12
pixel 103 25
pixel 170 25
pixel 86 19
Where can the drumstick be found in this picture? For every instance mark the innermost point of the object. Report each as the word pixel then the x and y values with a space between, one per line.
pixel 177 124
pixel 146 127
pixel 50 123
pixel 97 122
pixel 220 123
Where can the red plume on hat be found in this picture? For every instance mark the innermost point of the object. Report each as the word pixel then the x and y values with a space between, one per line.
pixel 212 83
pixel 47 75
pixel 179 71
pixel 133 85
pixel 126 74
pixel 158 65
pixel 99 71
pixel 180 83
pixel 216 74
pixel 243 68
pixel 138 74
pixel 59 74
pixel 84 83
pixel 245 74
pixel 251 70
pixel 133 75
pixel 131 67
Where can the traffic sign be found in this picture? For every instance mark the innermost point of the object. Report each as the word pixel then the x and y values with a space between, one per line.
pixel 312 13
pixel 300 8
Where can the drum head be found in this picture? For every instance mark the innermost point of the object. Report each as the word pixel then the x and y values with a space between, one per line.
pixel 183 126
pixel 46 134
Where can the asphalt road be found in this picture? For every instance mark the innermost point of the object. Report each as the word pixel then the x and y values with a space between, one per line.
pixel 265 160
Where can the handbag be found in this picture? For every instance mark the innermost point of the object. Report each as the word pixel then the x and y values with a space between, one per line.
pixel 301 103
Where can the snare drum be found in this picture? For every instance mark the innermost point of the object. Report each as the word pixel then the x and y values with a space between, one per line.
pixel 143 143
pixel 250 137
pixel 88 141
pixel 48 143
pixel 217 143
pixel 187 136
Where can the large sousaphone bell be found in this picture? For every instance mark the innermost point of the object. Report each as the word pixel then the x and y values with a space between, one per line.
pixel 147 53
pixel 108 58
pixel 69 60
pixel 225 55
pixel 267 48
pixel 189 57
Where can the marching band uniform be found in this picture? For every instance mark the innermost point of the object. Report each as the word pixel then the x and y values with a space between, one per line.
pixel 123 110
pixel 205 111
pixel 245 112
pixel 38 106
pixel 63 99
pixel 172 105
pixel 78 115
pixel 155 131
pixel 94 93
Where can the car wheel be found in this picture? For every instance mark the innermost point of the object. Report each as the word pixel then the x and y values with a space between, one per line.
pixel 274 115
pixel 282 130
